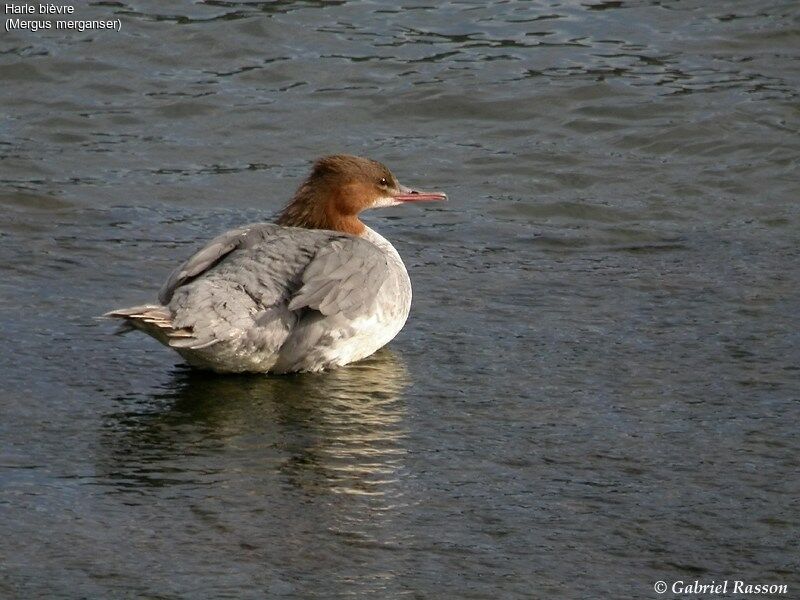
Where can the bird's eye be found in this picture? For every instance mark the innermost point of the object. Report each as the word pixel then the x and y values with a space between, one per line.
pixel 383 182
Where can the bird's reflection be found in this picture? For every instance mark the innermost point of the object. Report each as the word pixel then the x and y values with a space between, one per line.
pixel 288 475
pixel 340 430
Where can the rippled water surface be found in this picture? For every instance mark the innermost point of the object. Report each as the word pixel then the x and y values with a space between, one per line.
pixel 598 384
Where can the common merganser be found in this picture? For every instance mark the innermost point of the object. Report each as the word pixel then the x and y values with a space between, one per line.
pixel 314 290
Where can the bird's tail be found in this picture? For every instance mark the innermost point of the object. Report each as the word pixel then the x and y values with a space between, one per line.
pixel 153 319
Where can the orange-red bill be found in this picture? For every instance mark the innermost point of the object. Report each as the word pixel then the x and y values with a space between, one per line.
pixel 409 195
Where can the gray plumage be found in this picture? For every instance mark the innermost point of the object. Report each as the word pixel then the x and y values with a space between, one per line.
pixel 270 298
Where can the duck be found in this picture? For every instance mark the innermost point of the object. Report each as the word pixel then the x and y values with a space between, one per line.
pixel 313 290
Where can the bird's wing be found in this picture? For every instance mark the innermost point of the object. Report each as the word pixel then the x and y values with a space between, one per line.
pixel 259 280
pixel 345 277
pixel 239 285
pixel 201 261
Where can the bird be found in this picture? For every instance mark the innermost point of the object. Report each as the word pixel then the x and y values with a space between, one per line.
pixel 313 290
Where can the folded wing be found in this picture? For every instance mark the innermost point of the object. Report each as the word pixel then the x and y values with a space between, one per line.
pixel 252 286
pixel 345 277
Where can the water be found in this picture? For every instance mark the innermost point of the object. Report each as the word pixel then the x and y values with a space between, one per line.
pixel 598 384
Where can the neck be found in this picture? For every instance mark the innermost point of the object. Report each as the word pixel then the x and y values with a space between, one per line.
pixel 307 209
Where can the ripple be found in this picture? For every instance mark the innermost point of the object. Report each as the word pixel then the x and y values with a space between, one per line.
pixel 603 329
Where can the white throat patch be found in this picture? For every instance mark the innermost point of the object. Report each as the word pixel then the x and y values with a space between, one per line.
pixel 384 201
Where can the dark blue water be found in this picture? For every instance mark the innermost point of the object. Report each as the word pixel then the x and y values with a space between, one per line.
pixel 597 387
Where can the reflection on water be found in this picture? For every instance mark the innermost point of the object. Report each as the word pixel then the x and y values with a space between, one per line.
pixel 340 431
pixel 279 471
